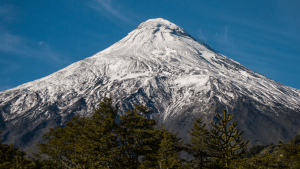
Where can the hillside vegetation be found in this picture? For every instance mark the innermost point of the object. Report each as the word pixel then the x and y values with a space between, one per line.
pixel 132 141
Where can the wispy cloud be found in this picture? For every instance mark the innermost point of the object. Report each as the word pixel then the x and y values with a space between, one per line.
pixel 224 41
pixel 203 37
pixel 13 44
pixel 107 8
pixel 17 45
pixel 222 37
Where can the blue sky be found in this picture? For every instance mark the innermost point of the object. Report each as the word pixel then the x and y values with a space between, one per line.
pixel 39 37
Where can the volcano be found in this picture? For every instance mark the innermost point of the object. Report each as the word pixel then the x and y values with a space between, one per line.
pixel 163 67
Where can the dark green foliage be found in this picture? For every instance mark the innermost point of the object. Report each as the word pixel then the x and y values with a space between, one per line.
pixel 281 156
pixel 100 142
pixel 137 138
pixel 241 164
pixel 100 137
pixel 62 144
pixel 198 147
pixel 225 141
pixel 12 157
pixel 84 143
pixel 218 147
pixel 170 147
pixel 268 161
pixel 291 150
pixel 136 142
pixel 291 155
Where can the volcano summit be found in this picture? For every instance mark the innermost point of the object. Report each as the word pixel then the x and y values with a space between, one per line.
pixel 163 67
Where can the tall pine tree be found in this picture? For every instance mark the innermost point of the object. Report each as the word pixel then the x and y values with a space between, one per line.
pixel 137 138
pixel 170 147
pixel 225 141
pixel 100 137
pixel 198 145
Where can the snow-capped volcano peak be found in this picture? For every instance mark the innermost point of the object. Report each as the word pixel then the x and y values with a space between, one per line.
pixel 158 38
pixel 156 32
pixel 160 48
pixel 159 65
pixel 154 45
pixel 158 22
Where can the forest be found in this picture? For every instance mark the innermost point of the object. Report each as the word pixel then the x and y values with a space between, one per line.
pixel 107 140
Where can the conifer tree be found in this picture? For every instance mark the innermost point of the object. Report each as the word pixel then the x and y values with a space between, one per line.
pixel 12 157
pixel 198 147
pixel 137 138
pixel 62 144
pixel 100 144
pixel 84 142
pixel 170 147
pixel 225 141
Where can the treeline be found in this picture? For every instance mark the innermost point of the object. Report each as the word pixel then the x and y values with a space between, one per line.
pixel 132 141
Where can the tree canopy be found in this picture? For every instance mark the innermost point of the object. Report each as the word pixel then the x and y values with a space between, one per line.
pixel 12 157
pixel 132 141
pixel 100 142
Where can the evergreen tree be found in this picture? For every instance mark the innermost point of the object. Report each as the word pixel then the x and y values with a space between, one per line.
pixel 12 157
pixel 62 144
pixel 100 138
pixel 138 143
pixel 84 142
pixel 198 147
pixel 225 141
pixel 170 147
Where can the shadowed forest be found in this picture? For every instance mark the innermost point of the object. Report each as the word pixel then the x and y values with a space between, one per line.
pixel 131 141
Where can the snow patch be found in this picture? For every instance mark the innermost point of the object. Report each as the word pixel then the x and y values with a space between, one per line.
pixel 128 76
pixel 198 80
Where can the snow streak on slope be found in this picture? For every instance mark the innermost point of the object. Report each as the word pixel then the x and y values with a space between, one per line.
pixel 157 64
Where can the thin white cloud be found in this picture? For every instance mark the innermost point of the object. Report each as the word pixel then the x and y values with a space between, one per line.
pixel 17 45
pixel 40 43
pixel 223 40
pixel 106 8
pixel 203 37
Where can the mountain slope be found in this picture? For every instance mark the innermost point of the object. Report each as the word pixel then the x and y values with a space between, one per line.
pixel 161 66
